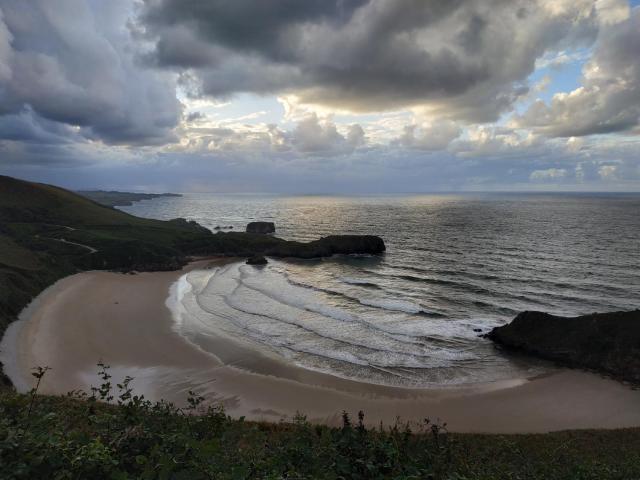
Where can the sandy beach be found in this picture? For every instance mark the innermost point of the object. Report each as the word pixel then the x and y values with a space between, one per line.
pixel 123 321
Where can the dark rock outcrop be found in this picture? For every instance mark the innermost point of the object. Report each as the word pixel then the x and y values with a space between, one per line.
pixel 257 260
pixel 237 244
pixel 261 227
pixel 606 342
pixel 347 245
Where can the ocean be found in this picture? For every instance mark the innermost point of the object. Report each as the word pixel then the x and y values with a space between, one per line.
pixel 455 267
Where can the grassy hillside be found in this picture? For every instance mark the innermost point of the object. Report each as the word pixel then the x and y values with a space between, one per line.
pixel 22 201
pixel 47 232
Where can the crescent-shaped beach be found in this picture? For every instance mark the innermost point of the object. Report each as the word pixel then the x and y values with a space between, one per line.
pixel 124 321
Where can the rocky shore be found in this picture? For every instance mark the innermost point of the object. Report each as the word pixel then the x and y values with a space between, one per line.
pixel 240 244
pixel 605 342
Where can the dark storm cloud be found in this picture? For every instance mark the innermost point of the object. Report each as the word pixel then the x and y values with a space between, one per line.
pixel 72 62
pixel 26 126
pixel 247 24
pixel 468 59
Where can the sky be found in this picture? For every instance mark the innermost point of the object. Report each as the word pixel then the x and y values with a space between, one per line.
pixel 322 96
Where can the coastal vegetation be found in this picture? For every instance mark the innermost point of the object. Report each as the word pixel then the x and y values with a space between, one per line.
pixel 83 436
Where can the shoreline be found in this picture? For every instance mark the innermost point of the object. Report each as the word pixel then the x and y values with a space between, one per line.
pixel 123 320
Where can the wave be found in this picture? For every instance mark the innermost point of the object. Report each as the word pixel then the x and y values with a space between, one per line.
pixel 258 309
pixel 360 282
pixel 393 305
pixel 380 338
pixel 359 350
pixel 249 302
pixel 379 303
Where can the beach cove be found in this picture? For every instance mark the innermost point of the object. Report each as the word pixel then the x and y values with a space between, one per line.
pixel 124 321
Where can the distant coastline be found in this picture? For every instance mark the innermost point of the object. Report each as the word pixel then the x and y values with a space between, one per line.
pixel 112 198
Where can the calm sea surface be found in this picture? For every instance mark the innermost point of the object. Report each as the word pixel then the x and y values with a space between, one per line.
pixel 455 264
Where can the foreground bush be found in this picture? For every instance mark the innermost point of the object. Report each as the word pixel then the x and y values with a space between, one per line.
pixel 82 437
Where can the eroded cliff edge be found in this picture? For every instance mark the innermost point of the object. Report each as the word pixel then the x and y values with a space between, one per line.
pixel 608 343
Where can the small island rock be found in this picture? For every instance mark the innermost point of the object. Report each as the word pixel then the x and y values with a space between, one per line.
pixel 257 260
pixel 261 227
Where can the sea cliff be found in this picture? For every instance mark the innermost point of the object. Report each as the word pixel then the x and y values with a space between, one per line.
pixel 605 342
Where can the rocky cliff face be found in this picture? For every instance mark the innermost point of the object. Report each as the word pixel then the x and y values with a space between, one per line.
pixel 605 342
pixel 331 245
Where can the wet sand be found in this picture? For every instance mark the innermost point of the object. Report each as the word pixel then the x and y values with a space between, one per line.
pixel 123 321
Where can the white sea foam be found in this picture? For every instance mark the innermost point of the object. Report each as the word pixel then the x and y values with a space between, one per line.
pixel 301 324
pixel 392 304
pixel 174 301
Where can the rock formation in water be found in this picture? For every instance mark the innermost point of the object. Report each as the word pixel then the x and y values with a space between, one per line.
pixel 257 260
pixel 605 342
pixel 327 246
pixel 236 244
pixel 261 227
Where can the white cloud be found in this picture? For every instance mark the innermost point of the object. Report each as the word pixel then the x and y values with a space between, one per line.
pixel 574 144
pixel 313 135
pixel 549 174
pixel 429 136
pixel 608 99
pixel 608 172
pixel 495 141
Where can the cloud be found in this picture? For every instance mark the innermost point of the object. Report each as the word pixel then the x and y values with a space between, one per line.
pixel 312 135
pixel 459 59
pixel 608 99
pixel 574 144
pixel 26 126
pixel 492 141
pixel 430 136
pixel 608 172
pixel 5 50
pixel 72 62
pixel 551 174
pixel 378 95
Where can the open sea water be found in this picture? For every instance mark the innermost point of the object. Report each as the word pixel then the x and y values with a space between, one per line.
pixel 456 266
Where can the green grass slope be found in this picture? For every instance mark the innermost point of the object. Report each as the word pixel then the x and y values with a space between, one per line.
pixel 82 437
pixel 47 232
pixel 22 201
